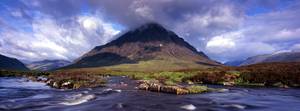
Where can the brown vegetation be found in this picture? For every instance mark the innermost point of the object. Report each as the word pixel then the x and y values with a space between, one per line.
pixel 267 74
pixel 271 73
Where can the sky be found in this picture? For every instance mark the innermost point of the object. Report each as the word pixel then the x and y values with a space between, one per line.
pixel 225 30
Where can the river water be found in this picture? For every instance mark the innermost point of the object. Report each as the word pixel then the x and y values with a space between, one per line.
pixel 19 94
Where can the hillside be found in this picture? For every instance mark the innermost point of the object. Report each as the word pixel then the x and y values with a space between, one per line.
pixel 7 63
pixel 275 57
pixel 47 65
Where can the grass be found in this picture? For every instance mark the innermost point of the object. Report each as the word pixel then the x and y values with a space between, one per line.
pixel 197 89
pixel 156 66
pixel 10 73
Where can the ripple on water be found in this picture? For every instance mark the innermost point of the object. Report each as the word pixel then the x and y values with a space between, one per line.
pixel 235 106
pixel 21 83
pixel 189 107
pixel 79 99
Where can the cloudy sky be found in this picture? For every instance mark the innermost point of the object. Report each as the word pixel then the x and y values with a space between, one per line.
pixel 224 29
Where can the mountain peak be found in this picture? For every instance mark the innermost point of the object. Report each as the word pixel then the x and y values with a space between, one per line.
pixel 150 43
pixel 149 32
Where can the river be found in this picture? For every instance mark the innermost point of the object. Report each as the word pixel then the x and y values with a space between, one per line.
pixel 19 94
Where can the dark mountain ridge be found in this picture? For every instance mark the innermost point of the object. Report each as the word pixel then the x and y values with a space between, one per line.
pixel 150 32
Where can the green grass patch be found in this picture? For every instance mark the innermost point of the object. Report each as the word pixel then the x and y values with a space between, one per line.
pixel 197 89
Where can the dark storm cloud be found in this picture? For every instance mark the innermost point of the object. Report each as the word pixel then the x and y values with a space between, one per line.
pixel 132 13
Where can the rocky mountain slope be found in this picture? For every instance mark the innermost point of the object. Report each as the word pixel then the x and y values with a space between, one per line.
pixel 148 46
pixel 7 63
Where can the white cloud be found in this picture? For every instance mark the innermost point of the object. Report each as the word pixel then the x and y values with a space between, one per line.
pixel 235 45
pixel 51 40
pixel 90 24
pixel 224 42
pixel 296 47
pixel 17 13
pixel 220 44
pixel 287 34
pixel 142 10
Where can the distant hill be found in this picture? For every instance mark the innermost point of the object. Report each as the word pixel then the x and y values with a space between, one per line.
pixel 47 65
pixel 234 63
pixel 267 58
pixel 7 63
pixel 149 47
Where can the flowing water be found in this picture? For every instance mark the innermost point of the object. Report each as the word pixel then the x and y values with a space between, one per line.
pixel 23 95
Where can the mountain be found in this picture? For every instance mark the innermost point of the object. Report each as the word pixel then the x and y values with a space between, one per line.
pixel 150 46
pixel 47 65
pixel 275 57
pixel 234 63
pixel 7 63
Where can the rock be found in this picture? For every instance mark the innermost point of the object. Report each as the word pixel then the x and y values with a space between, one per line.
pixel 190 82
pixel 32 78
pixel 55 85
pixel 67 85
pixel 49 82
pixel 174 89
pixel 155 87
pixel 143 86
pixel 42 79
pixel 280 84
pixel 231 83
